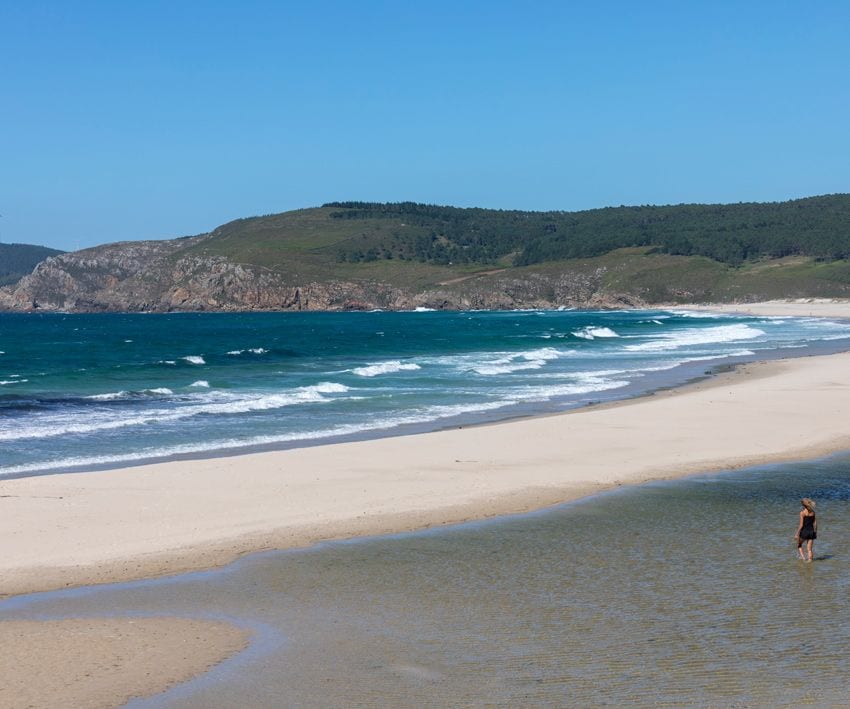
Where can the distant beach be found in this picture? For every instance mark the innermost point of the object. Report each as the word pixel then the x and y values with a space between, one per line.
pixel 113 525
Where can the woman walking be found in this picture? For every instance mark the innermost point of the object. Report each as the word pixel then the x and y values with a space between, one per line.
pixel 807 531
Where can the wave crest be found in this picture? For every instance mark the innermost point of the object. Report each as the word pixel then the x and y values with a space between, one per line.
pixel 698 336
pixel 591 332
pixel 390 367
pixel 517 362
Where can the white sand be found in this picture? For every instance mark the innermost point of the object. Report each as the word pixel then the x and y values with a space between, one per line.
pixel 68 529
pixel 816 307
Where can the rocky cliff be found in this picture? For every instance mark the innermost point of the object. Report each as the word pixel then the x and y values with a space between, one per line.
pixel 163 276
pixel 402 256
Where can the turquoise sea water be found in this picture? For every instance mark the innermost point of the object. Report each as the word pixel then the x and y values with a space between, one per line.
pixel 684 593
pixel 109 389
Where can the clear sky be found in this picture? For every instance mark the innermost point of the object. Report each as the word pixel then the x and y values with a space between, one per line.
pixel 132 120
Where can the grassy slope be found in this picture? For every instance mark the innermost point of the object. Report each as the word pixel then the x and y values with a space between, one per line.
pixel 304 246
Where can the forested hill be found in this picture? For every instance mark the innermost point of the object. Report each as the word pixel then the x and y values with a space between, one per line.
pixel 16 260
pixel 818 227
pixel 359 255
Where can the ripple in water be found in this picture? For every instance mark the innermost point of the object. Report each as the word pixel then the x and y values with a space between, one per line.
pixel 672 594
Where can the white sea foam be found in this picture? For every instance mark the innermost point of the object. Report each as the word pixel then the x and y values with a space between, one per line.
pixel 327 388
pixel 698 336
pixel 432 413
pixel 586 385
pixel 422 309
pixel 235 352
pixel 252 350
pixel 110 396
pixel 516 362
pixel 389 367
pixel 6 382
pixel 506 365
pixel 114 395
pixel 591 333
pixel 673 363
pixel 201 383
pixel 64 425
pixel 194 359
pixel 60 424
pixel 167 361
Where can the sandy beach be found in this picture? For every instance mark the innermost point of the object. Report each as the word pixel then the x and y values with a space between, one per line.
pixel 71 529
pixel 104 662
pixel 102 526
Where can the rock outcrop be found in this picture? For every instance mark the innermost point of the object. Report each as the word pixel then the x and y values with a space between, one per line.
pixel 165 276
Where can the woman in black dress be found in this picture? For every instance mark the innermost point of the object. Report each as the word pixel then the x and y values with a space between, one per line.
pixel 807 531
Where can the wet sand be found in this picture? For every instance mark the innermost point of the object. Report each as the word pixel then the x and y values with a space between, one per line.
pixel 103 662
pixel 101 526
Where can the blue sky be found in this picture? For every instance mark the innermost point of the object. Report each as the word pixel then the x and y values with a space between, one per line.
pixel 157 119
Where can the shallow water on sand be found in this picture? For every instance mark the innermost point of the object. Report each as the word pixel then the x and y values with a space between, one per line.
pixel 683 593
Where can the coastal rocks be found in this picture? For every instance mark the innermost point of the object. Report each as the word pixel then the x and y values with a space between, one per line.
pixel 151 279
pixel 112 277
pixel 179 275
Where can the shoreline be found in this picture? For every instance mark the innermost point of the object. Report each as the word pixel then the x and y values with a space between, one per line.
pixel 164 518
pixel 682 375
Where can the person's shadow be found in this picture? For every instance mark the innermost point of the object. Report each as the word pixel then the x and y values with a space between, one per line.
pixel 822 557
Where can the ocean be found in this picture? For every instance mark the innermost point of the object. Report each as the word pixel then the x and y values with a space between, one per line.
pixel 107 390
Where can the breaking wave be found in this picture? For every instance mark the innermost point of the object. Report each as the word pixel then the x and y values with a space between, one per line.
pixel 698 336
pixel 64 423
pixel 374 370
pixel 591 333
pixel 507 364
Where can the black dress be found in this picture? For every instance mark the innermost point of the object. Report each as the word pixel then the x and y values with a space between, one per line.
pixel 808 530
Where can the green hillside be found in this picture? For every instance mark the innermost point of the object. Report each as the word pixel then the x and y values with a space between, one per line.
pixel 682 252
pixel 362 232
pixel 818 227
pixel 366 255
pixel 311 244
pixel 17 260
